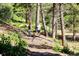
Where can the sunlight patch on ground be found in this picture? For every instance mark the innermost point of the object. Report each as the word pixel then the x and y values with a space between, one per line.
pixel 74 46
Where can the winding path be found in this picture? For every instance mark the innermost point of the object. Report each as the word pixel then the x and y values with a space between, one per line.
pixel 38 45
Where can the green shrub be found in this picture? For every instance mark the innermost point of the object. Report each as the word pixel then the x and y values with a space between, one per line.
pixel 67 50
pixel 6 11
pixel 57 48
pixel 12 44
pixel 57 45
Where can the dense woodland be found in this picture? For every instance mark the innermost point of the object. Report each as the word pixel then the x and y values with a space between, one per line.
pixel 29 28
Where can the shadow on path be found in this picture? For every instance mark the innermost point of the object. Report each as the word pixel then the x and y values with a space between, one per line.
pixel 30 53
pixel 40 46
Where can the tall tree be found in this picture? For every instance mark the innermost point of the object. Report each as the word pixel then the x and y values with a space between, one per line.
pixel 43 19
pixel 25 9
pixel 37 17
pixel 29 20
pixel 53 22
pixel 74 29
pixel 62 23
pixel 54 19
pixel 57 18
pixel 74 14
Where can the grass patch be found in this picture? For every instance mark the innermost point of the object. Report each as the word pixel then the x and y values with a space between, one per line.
pixel 12 44
pixel 59 48
pixel 67 51
pixel 57 45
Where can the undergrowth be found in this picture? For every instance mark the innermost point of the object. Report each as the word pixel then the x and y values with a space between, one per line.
pixel 12 44
pixel 59 48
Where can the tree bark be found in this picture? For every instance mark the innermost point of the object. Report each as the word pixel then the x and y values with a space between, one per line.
pixel 26 17
pixel 62 23
pixel 43 20
pixel 74 30
pixel 54 19
pixel 29 20
pixel 57 16
pixel 37 17
pixel 53 22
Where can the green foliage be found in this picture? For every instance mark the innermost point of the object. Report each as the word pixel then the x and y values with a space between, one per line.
pixel 16 18
pixel 67 51
pixel 16 13
pixel 47 20
pixel 6 11
pixel 19 22
pixel 12 44
pixel 57 48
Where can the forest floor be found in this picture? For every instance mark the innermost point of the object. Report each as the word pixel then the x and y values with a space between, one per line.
pixel 42 46
pixel 38 45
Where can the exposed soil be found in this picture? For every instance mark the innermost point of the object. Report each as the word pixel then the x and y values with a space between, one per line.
pixel 38 45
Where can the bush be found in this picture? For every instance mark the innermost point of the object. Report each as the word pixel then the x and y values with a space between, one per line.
pixel 12 44
pixel 6 11
pixel 57 48
pixel 67 50
pixel 57 45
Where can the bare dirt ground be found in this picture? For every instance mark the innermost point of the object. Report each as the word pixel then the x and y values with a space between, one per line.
pixel 41 46
pixel 38 45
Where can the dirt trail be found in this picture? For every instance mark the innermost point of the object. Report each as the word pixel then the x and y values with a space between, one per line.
pixel 38 45
pixel 43 52
pixel 41 46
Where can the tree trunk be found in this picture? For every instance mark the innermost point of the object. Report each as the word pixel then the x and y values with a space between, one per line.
pixel 53 22
pixel 43 20
pixel 29 12
pixel 62 24
pixel 56 27
pixel 74 30
pixel 30 20
pixel 57 18
pixel 37 17
pixel 54 19
pixel 26 17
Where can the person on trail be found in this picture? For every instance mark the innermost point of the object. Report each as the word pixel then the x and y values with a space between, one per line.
pixel 38 30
